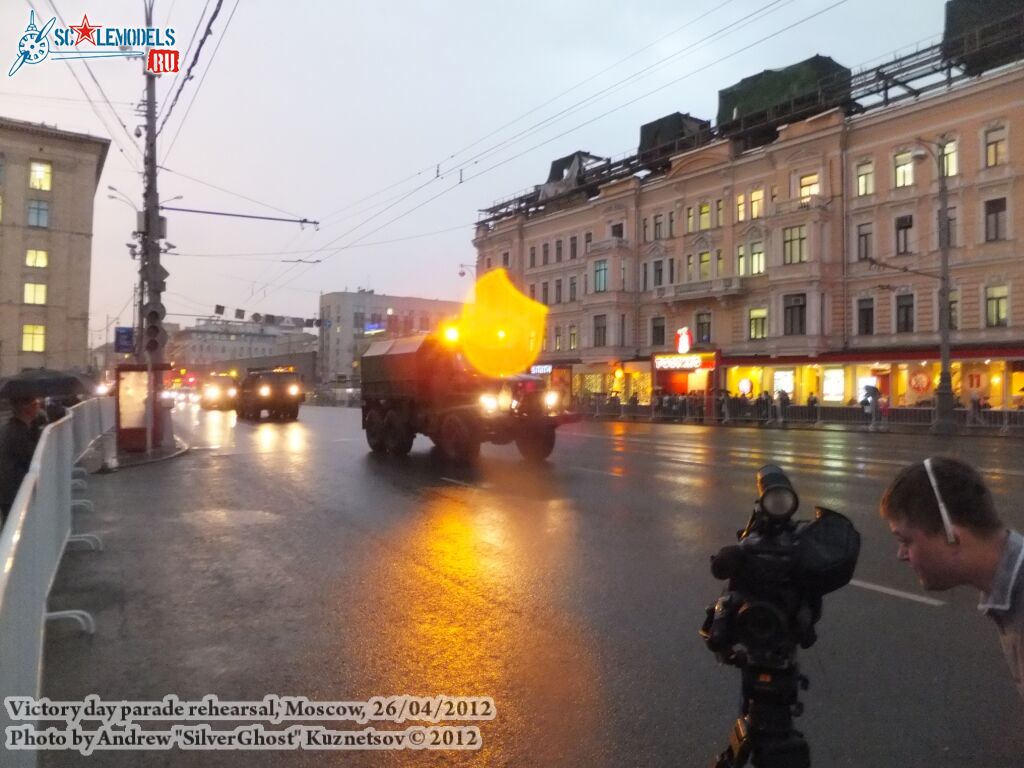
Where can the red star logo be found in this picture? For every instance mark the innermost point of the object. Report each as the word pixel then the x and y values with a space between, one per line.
pixel 86 32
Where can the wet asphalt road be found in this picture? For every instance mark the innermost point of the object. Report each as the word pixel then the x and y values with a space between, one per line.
pixel 284 558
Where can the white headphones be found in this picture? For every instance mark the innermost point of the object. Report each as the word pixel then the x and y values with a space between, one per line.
pixel 947 522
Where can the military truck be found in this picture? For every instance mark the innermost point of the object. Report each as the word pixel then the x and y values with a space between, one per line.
pixel 424 385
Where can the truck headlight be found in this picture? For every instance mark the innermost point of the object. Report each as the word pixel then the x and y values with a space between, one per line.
pixel 213 392
pixel 232 392
pixel 551 399
pixel 489 403
pixel 293 390
pixel 264 391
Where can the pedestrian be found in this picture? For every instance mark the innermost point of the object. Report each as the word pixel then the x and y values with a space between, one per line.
pixel 812 401
pixel 944 518
pixel 18 439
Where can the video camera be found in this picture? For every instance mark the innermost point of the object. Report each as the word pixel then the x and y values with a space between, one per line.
pixel 777 575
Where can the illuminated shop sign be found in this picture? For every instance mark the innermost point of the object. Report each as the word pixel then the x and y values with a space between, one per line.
pixel 834 385
pixel 540 370
pixel 683 362
pixel 684 340
pixel 783 381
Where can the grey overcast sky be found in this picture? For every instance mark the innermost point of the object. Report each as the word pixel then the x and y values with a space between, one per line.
pixel 327 110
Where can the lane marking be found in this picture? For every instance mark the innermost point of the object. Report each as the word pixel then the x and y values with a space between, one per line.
pixel 458 482
pixel 897 593
pixel 597 471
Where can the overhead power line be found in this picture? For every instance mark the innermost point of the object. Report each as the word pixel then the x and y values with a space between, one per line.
pixel 188 50
pixel 192 64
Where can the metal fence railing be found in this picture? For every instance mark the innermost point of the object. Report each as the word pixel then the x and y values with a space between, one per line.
pixel 736 410
pixel 32 542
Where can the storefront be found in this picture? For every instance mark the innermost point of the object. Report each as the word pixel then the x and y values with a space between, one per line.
pixel 556 376
pixel 683 374
pixel 905 378
pixel 621 380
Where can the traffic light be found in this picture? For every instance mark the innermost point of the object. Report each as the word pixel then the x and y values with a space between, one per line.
pixel 154 335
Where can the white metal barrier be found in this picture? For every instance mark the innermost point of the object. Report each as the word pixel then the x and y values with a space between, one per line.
pixel 32 542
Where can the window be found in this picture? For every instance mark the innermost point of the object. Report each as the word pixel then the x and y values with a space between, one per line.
pixel 643 276
pixel 794 314
pixel 995 147
pixel 757 258
pixel 657 227
pixel 544 253
pixel 950 164
pixel 719 263
pixel 35 293
pixel 865 178
pixel 954 310
pixel 504 259
pixel 601 276
pixel 704 258
pixel 904 168
pixel 572 247
pixel 658 332
pixel 617 230
pixel 719 214
pixel 995 306
pixel 646 238
pixel 865 317
pixel 672 271
pixel 808 186
pixel 705 216
pixel 903 226
pixel 533 291
pixel 35 258
pixel 995 219
pixel 558 338
pixel 905 313
pixel 758 323
pixel 544 292
pixel 741 261
pixel 741 208
pixel 794 244
pixel 757 204
pixel 671 223
pixel 588 238
pixel 703 328
pixel 38 213
pixel 659 273
pixel 689 267
pixel 533 255
pixel 558 291
pixel 572 288
pixel 558 251
pixel 689 220
pixel 865 232
pixel 488 264
pixel 572 337
pixel 600 330
pixel 33 338
pixel 40 176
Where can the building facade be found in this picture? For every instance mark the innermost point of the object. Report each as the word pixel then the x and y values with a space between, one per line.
pixel 808 263
pixel 350 321
pixel 211 341
pixel 48 180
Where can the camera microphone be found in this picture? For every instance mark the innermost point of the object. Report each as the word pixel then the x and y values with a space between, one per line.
pixel 728 562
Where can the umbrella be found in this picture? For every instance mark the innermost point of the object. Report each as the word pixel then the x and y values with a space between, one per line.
pixel 42 382
pixel 872 391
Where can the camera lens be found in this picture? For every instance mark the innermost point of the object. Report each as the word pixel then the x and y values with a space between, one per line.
pixel 760 625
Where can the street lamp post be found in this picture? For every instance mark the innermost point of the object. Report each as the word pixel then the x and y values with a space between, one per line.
pixel 944 424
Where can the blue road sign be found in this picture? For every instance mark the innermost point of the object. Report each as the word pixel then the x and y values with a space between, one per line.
pixel 124 339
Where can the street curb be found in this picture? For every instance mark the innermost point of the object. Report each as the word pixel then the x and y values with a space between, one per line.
pixel 183 448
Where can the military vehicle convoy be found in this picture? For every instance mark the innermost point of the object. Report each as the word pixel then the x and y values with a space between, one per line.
pixel 424 385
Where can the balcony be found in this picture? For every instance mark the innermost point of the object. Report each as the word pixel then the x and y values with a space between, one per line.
pixel 608 246
pixel 786 207
pixel 719 287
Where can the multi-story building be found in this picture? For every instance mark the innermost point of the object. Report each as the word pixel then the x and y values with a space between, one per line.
pixel 48 180
pixel 350 321
pixel 212 341
pixel 801 255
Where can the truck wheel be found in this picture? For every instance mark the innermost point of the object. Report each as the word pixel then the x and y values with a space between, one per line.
pixel 375 431
pixel 536 446
pixel 458 442
pixel 397 435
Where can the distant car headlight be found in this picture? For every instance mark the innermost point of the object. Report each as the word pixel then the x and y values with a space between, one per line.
pixel 194 398
pixel 102 389
pixel 264 391
pixel 551 398
pixel 232 392
pixel 293 390
pixel 489 403
pixel 167 394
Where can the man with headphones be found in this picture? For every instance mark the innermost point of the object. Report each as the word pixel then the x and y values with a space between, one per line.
pixel 945 520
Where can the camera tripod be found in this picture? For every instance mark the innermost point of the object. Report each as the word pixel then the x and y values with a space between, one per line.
pixel 764 730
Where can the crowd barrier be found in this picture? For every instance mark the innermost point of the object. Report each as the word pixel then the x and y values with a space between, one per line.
pixel 34 537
